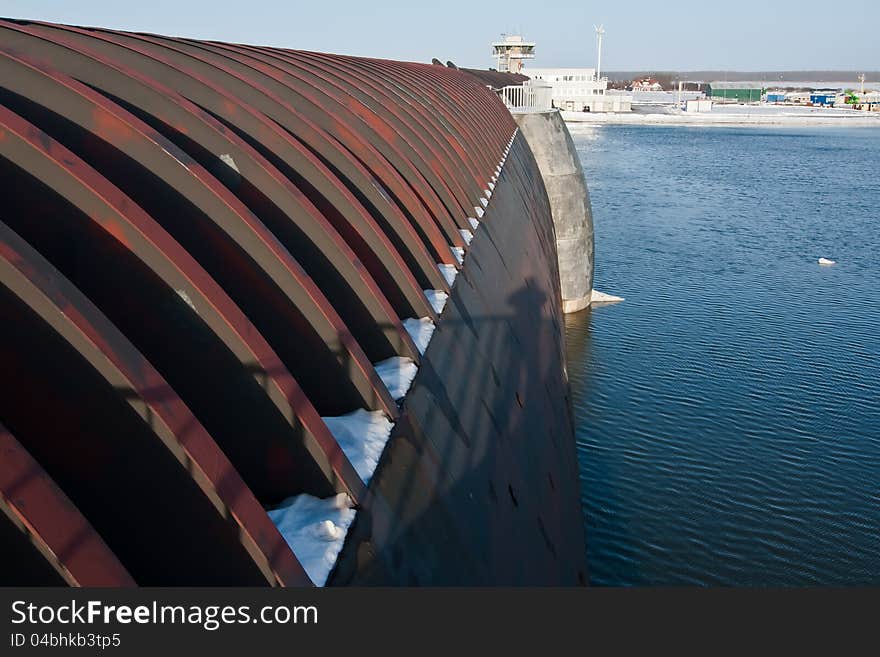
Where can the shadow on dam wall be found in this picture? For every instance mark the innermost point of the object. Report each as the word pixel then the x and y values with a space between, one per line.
pixel 482 463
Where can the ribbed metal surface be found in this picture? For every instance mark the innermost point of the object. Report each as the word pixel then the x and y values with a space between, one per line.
pixel 206 247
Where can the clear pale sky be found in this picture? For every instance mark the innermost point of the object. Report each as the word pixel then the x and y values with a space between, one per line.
pixel 639 34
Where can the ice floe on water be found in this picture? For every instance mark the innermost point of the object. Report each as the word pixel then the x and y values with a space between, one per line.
pixel 362 436
pixel 315 530
pixel 826 261
pixel 601 297
pixel 437 299
pixel 397 373
pixel 420 330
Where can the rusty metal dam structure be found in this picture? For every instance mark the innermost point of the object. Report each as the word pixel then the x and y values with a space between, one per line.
pixel 277 318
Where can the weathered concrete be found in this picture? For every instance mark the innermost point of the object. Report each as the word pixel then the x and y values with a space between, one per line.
pixel 566 186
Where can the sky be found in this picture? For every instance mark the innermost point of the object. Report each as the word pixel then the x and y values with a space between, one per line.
pixel 639 34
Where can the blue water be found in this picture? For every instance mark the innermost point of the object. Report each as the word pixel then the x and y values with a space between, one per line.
pixel 728 412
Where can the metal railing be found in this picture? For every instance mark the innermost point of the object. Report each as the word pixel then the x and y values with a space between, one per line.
pixel 531 96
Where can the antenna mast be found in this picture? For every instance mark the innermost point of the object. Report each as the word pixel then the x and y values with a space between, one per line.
pixel 600 31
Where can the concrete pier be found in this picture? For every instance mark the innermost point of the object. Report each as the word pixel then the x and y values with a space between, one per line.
pixel 566 186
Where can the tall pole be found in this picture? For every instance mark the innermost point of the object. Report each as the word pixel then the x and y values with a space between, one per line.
pixel 599 32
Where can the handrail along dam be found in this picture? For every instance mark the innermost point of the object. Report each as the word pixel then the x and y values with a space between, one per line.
pixel 241 282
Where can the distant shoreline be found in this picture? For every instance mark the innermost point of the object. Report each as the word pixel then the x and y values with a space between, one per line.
pixel 722 118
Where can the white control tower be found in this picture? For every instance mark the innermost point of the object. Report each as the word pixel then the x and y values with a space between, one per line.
pixel 511 51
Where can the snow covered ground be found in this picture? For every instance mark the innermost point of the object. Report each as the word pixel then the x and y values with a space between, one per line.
pixel 420 330
pixel 732 115
pixel 397 373
pixel 362 436
pixel 315 530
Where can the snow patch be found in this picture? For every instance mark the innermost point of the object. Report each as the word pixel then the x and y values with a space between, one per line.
pixel 474 223
pixel 458 252
pixel 315 530
pixel 491 184
pixel 449 273
pixel 362 436
pixel 420 330
pixel 484 202
pixel 227 159
pixel 480 212
pixel 466 235
pixel 437 299
pixel 183 295
pixel 397 373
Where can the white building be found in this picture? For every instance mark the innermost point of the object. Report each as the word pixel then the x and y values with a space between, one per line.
pixel 511 51
pixel 646 84
pixel 698 105
pixel 580 90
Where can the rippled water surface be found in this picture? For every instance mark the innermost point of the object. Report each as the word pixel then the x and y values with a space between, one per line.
pixel 728 412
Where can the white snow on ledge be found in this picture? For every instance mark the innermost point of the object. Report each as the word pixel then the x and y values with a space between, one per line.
pixel 466 235
pixel 480 212
pixel 437 299
pixel 449 273
pixel 420 330
pixel 397 373
pixel 473 222
pixel 362 436
pixel 315 530
pixel 459 253
pixel 226 158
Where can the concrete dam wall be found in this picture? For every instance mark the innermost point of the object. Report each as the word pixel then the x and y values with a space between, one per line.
pixel 274 318
pixel 569 197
